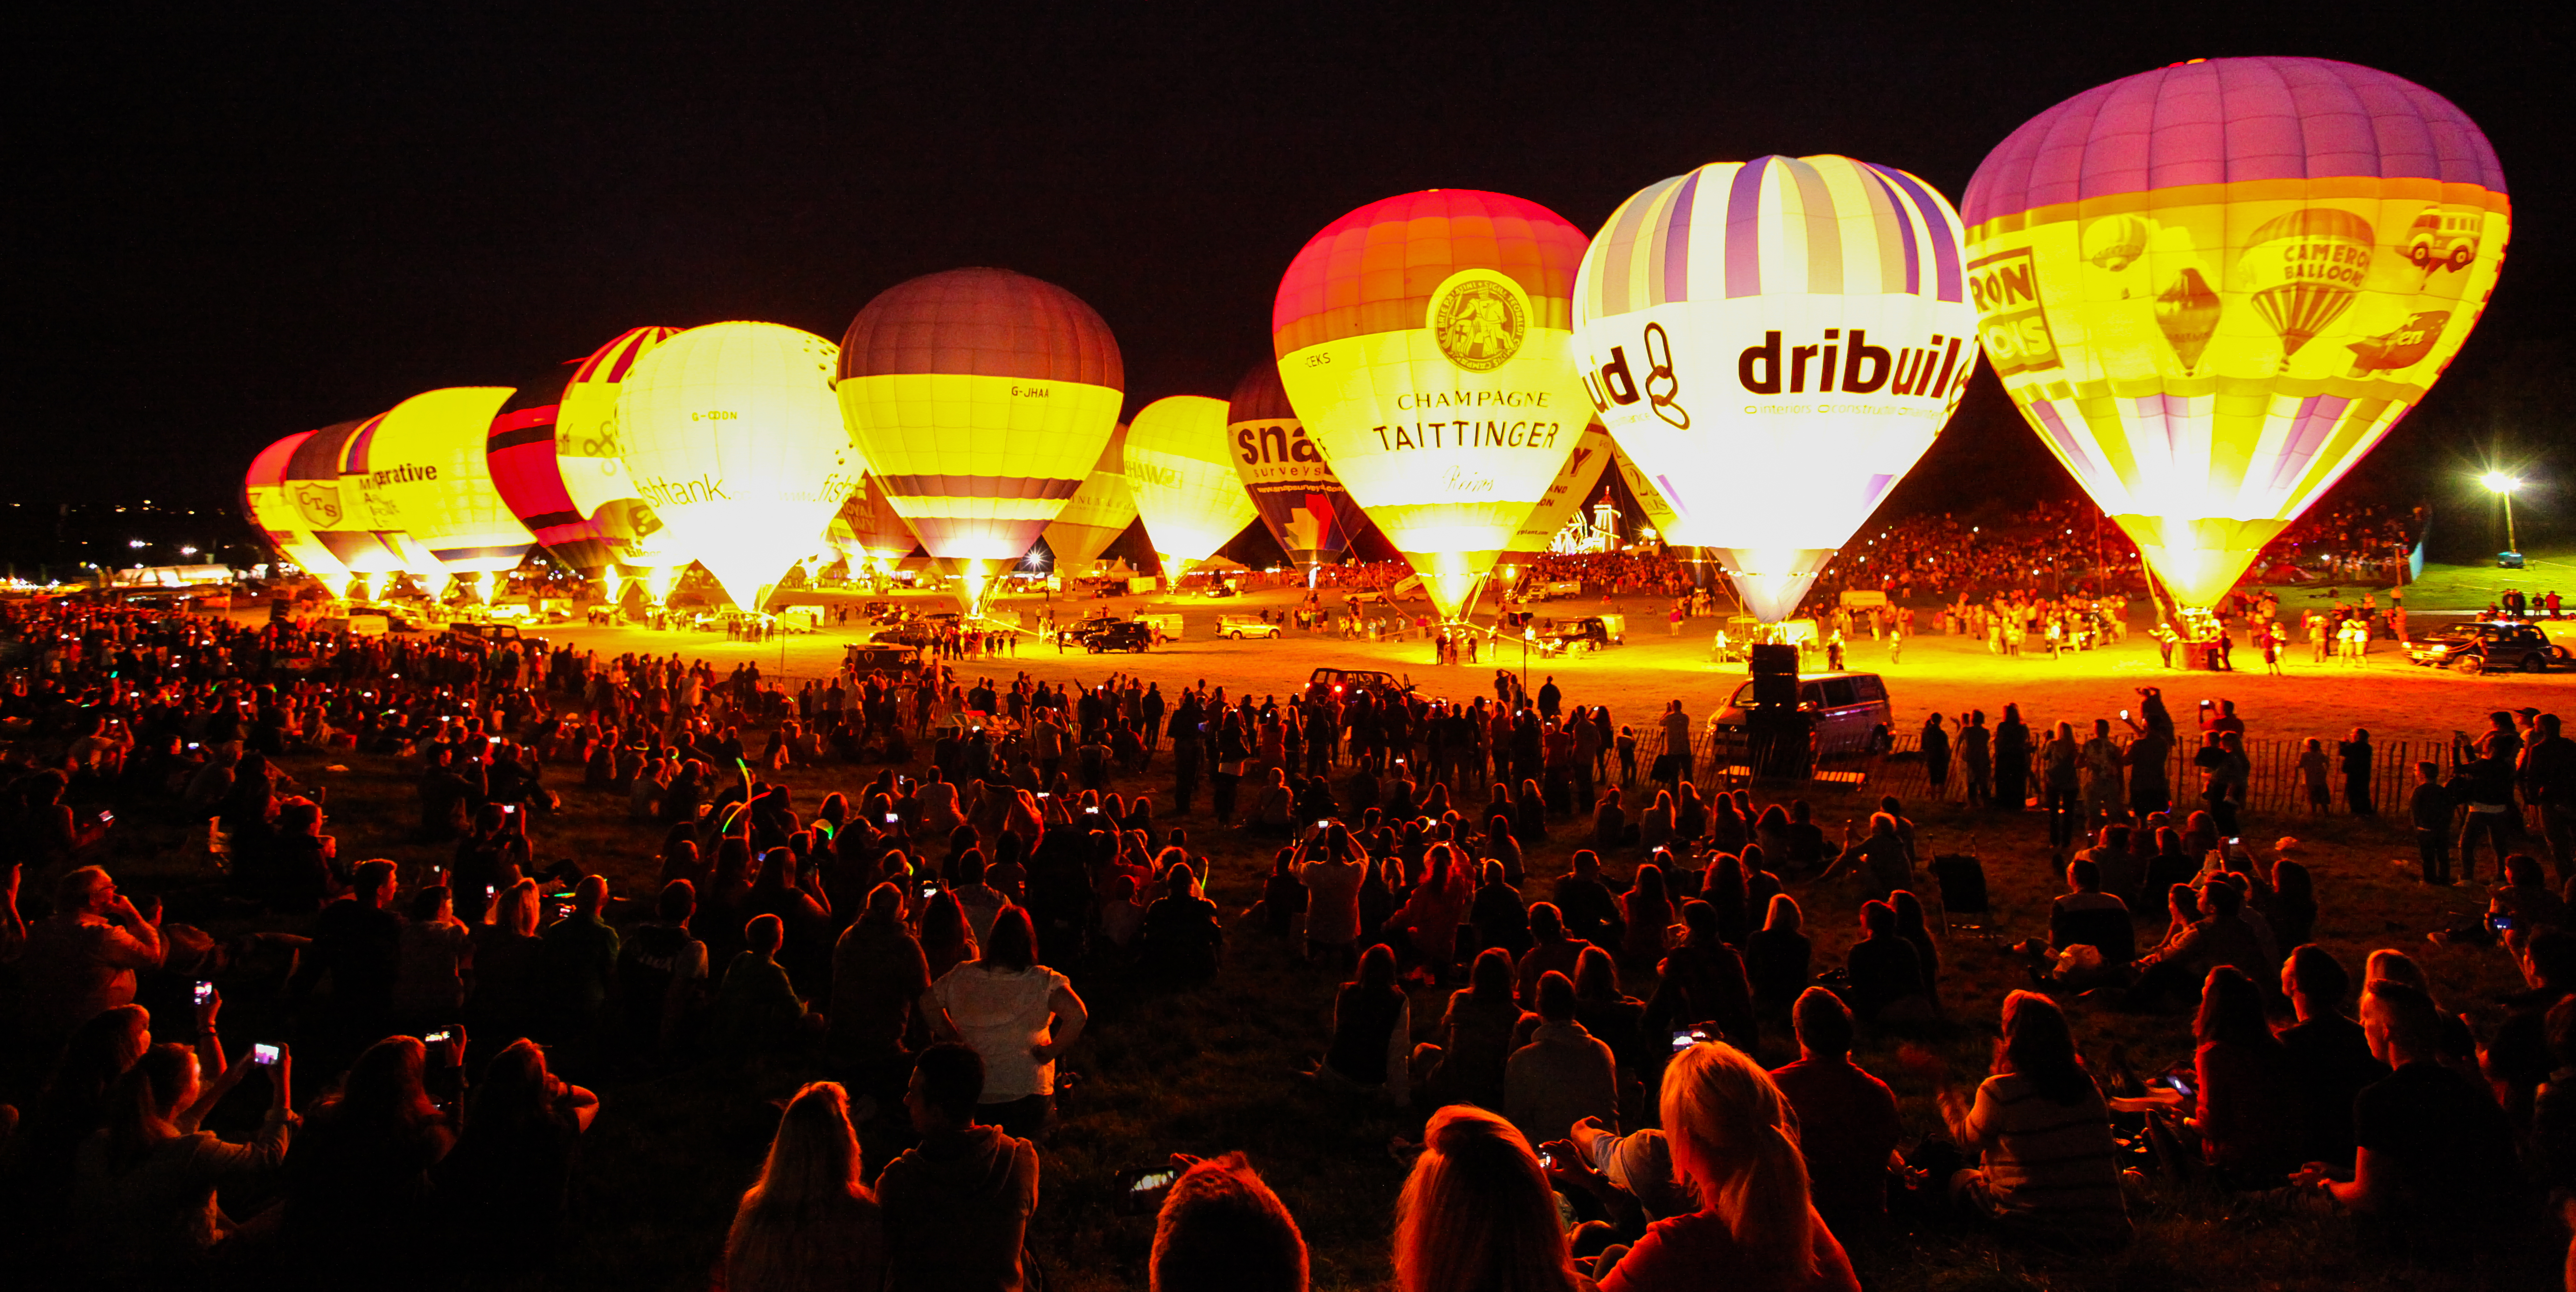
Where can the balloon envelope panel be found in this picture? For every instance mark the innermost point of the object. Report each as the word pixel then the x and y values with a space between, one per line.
pixel 1184 480
pixel 732 433
pixel 1097 513
pixel 1424 342
pixel 266 505
pixel 982 398
pixel 2213 287
pixel 1574 482
pixel 1301 501
pixel 335 509
pixel 592 464
pixel 1775 343
pixel 422 467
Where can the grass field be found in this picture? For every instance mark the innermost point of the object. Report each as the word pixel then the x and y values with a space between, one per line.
pixel 1211 1069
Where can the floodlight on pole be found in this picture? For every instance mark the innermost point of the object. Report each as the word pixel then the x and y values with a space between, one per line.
pixel 2504 484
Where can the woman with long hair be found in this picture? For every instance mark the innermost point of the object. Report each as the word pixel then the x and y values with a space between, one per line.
pixel 1735 1138
pixel 1649 911
pixel 2244 1109
pixel 2047 1161
pixel 359 1174
pixel 1475 1045
pixel 808 1224
pixel 507 1186
pixel 1477 1214
pixel 1777 955
pixel 1372 1025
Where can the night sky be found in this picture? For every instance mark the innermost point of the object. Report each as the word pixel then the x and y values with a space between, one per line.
pixel 232 222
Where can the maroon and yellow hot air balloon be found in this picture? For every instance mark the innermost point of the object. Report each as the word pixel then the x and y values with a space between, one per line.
pixel 981 398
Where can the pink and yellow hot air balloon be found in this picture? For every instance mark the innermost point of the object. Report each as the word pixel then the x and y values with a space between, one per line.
pixel 266 505
pixel 2213 287
pixel 1425 341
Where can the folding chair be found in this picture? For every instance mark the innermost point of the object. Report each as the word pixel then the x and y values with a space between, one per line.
pixel 1962 881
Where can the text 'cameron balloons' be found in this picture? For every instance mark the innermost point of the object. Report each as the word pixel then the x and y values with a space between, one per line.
pixel 732 433
pixel 982 398
pixel 266 505
pixel 1301 501
pixel 555 460
pixel 2213 287
pixel 421 467
pixel 1096 515
pixel 1424 340
pixel 1183 477
pixel 1775 343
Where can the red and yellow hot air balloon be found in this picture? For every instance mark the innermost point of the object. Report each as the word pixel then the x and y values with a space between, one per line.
pixel 1425 342
pixel 557 462
pixel 981 398
pixel 2213 287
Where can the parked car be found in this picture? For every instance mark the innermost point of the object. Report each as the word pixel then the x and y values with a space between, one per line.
pixel 487 636
pixel 1343 681
pixel 1590 633
pixel 1121 634
pixel 1849 710
pixel 1080 631
pixel 1238 627
pixel 2478 647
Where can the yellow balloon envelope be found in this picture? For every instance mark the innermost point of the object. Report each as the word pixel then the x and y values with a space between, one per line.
pixel 731 431
pixel 1574 482
pixel 1096 515
pixel 421 468
pixel 1182 473
pixel 2213 287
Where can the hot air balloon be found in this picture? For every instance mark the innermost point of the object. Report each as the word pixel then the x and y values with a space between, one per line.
pixel 1423 341
pixel 2322 237
pixel 554 458
pixel 335 509
pixel 1301 501
pixel 1776 342
pixel 1097 514
pixel 982 397
pixel 1182 474
pixel 732 433
pixel 420 467
pixel 868 531
pixel 266 505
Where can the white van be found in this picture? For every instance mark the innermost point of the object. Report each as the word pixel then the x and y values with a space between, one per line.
pixel 1849 710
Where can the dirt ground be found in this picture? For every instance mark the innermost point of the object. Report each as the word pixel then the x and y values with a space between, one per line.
pixel 2392 698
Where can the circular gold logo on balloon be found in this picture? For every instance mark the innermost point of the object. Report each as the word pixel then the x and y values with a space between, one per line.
pixel 1478 318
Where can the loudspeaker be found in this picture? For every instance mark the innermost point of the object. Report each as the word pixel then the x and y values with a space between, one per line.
pixel 1775 675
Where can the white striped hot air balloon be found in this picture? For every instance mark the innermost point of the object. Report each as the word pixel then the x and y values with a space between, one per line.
pixel 1775 343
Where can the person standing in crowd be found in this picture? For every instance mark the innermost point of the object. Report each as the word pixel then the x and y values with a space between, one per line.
pixel 1018 1016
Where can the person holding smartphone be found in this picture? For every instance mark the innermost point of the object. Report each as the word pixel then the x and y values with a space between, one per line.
pixel 147 1191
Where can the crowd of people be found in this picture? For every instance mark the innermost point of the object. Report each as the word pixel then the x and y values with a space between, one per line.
pixel 920 940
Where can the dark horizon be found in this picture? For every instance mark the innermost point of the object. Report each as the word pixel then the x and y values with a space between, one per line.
pixel 236 226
